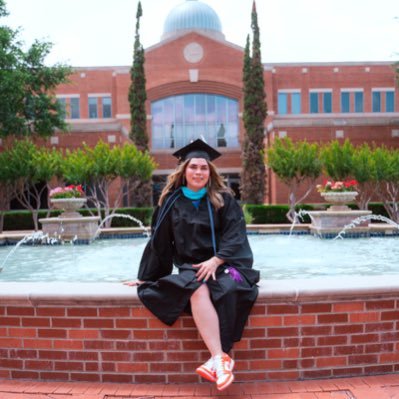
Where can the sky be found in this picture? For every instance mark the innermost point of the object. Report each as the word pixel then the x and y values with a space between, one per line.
pixel 101 32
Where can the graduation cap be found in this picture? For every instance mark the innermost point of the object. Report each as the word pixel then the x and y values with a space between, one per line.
pixel 197 149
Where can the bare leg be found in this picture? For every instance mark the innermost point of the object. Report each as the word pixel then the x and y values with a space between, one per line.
pixel 206 319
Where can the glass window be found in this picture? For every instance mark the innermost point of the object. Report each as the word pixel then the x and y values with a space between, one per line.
pixel 107 107
pixel 389 101
pixel 327 102
pixel 345 103
pixel 314 103
pixel 62 104
pixel 282 105
pixel 296 103
pixel 179 119
pixel 93 107
pixel 75 108
pixel 376 101
pixel 358 101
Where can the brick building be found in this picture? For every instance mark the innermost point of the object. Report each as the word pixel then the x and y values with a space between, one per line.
pixel 194 88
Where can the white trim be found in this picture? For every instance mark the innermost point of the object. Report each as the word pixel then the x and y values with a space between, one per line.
pixel 320 90
pixel 339 134
pixel 122 116
pixel 54 140
pixel 289 90
pixel 99 95
pixel 193 75
pixel 282 134
pixel 67 95
pixel 383 89
pixel 352 89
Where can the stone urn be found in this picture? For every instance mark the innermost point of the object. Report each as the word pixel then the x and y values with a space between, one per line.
pixel 339 199
pixel 69 206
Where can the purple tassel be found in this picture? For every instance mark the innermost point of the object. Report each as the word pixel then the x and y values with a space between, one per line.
pixel 235 274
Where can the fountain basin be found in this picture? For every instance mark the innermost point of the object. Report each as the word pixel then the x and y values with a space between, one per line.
pixel 329 223
pixel 81 229
pixel 298 329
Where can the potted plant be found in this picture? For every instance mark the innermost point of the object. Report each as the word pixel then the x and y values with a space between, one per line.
pixel 69 199
pixel 338 192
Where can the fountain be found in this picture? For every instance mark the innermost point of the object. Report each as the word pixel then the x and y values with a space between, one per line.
pixel 71 225
pixel 328 223
pixel 366 218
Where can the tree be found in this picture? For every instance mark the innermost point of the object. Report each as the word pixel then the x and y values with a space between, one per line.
pixel 255 111
pixel 298 166
pixel 387 178
pixel 6 186
pixel 338 159
pixel 100 167
pixel 27 101
pixel 364 171
pixel 137 98
pixel 32 169
pixel 137 91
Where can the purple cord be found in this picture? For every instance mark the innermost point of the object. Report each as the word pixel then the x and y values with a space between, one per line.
pixel 235 274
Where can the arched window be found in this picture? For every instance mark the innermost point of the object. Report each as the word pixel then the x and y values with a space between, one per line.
pixel 177 120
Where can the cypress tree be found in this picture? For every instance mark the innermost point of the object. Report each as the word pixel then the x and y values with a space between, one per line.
pixel 137 92
pixel 142 195
pixel 255 111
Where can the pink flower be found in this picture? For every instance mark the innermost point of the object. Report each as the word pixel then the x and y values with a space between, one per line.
pixel 337 186
pixel 70 191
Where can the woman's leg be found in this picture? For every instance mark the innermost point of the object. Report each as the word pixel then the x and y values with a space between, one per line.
pixel 219 368
pixel 206 319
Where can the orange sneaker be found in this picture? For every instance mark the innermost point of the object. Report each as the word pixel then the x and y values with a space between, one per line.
pixel 207 370
pixel 224 365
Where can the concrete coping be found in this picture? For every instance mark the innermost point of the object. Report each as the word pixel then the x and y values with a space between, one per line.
pixel 59 219
pixel 72 293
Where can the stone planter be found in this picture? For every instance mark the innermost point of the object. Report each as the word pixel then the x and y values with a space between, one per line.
pixel 69 206
pixel 339 199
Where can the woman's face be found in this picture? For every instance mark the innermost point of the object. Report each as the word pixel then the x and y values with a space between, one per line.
pixel 197 173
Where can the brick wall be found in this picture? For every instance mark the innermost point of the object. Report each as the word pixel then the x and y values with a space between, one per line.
pixel 292 333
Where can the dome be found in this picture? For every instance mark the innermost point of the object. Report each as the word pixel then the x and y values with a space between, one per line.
pixel 192 15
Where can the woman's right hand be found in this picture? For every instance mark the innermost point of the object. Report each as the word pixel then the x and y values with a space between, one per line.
pixel 133 283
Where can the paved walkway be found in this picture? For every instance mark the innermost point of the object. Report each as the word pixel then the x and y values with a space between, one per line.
pixel 375 387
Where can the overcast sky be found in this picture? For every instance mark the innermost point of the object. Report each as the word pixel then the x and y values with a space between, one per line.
pixel 101 32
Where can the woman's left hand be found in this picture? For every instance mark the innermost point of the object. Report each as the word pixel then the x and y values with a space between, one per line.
pixel 207 269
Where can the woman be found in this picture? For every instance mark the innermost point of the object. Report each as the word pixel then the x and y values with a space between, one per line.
pixel 199 227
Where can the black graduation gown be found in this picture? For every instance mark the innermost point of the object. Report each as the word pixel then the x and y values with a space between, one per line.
pixel 184 238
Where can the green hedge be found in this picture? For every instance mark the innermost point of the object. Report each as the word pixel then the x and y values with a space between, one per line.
pixel 273 214
pixel 260 214
pixel 22 220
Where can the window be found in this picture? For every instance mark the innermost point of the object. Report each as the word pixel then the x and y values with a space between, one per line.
pixel 358 101
pixel 296 103
pixel 75 108
pixel 345 101
pixel 93 113
pixel 289 97
pixel 376 101
pixel 282 105
pixel 351 100
pixel 107 107
pixel 320 100
pixel 383 100
pixel 327 102
pixel 62 104
pixel 314 103
pixel 179 119
pixel 390 101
